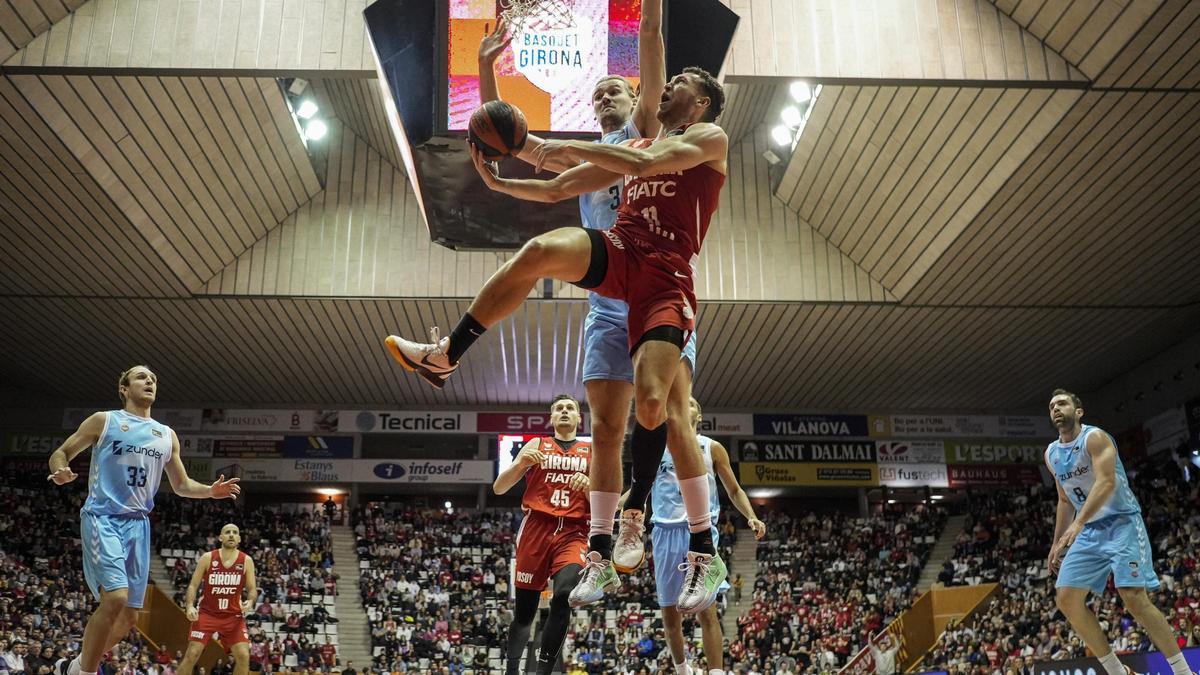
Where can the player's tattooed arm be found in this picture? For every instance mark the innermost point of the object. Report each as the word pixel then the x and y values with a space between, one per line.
pixel 652 66
pixel 529 457
pixel 84 437
pixel 701 143
pixel 571 183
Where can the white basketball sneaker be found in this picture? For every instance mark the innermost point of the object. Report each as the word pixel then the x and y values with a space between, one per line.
pixel 629 552
pixel 429 360
pixel 702 579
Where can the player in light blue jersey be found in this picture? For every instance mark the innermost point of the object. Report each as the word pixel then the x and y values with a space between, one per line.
pixel 669 539
pixel 607 364
pixel 1099 527
pixel 130 453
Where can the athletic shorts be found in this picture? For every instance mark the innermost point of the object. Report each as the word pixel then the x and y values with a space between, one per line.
pixel 1116 545
pixel 116 554
pixel 656 285
pixel 606 349
pixel 670 548
pixel 545 545
pixel 228 629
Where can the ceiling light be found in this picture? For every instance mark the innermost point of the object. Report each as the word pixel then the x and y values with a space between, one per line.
pixel 315 130
pixel 800 91
pixel 781 135
pixel 936 496
pixel 307 109
pixel 891 501
pixel 448 504
pixel 329 492
pixel 791 116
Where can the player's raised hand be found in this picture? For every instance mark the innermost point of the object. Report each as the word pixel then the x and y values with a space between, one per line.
pixel 758 527
pixel 63 476
pixel 226 489
pixel 192 614
pixel 493 44
pixel 580 482
pixel 531 456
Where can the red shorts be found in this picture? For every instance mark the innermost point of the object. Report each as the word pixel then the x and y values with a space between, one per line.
pixel 657 285
pixel 545 545
pixel 228 630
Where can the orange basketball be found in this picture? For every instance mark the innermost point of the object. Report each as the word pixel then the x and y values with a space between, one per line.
pixel 498 130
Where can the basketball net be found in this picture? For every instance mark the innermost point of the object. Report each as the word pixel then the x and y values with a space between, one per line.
pixel 538 15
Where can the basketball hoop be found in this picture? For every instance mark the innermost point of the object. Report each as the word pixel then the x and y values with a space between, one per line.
pixel 538 15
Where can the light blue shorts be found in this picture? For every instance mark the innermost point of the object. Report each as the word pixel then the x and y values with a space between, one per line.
pixel 606 349
pixel 670 544
pixel 116 554
pixel 1118 545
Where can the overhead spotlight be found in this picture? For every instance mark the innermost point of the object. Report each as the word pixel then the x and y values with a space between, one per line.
pixel 791 116
pixel 307 109
pixel 781 135
pixel 800 91
pixel 891 501
pixel 315 130
pixel 937 496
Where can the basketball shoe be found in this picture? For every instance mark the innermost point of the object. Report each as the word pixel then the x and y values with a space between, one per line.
pixel 702 579
pixel 598 576
pixel 629 552
pixel 429 360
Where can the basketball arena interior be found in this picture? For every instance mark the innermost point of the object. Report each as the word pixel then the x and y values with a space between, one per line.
pixel 935 215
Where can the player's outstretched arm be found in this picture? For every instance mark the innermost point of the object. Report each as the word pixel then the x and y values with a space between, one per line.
pixel 185 486
pixel 571 183
pixel 251 587
pixel 84 437
pixel 490 48
pixel 652 66
pixel 734 489
pixel 527 458
pixel 189 600
pixel 700 143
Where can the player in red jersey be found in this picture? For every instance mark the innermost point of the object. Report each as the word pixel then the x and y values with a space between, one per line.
pixel 553 538
pixel 224 572
pixel 647 259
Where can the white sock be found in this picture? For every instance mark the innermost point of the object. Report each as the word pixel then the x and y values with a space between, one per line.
pixel 682 668
pixel 1112 665
pixel 604 510
pixel 695 500
pixel 1179 665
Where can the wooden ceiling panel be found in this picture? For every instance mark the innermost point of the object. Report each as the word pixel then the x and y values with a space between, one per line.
pixel 23 20
pixel 753 356
pixel 62 232
pixel 893 175
pixel 1110 195
pixel 359 105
